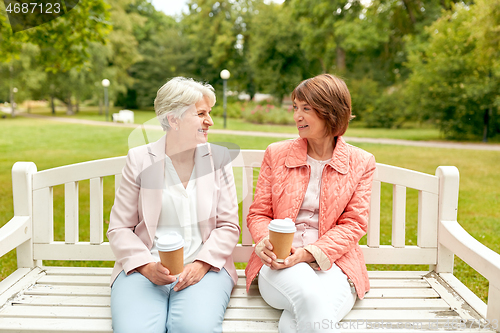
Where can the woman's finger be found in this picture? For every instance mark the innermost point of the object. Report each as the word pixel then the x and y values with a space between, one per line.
pixel 268 244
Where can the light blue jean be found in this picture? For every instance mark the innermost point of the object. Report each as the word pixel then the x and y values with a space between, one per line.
pixel 140 306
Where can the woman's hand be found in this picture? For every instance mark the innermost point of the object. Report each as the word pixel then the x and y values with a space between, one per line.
pixel 157 273
pixel 297 256
pixel 192 274
pixel 266 254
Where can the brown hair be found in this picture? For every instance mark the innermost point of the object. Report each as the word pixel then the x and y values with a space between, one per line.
pixel 329 97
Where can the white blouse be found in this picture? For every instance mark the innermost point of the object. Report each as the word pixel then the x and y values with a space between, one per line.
pixel 307 219
pixel 178 213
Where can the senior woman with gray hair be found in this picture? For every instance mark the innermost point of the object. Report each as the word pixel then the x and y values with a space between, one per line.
pixel 179 183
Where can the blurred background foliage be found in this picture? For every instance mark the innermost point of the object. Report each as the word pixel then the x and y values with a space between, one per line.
pixel 406 62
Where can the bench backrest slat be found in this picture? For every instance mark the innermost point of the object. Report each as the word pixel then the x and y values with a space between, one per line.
pixel 249 162
pixel 427 219
pixel 398 216
pixel 71 212
pixel 96 211
pixel 373 232
pixel 78 172
pixel 43 215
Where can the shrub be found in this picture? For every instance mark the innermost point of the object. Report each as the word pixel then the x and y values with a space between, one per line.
pixel 261 113
pixel 233 110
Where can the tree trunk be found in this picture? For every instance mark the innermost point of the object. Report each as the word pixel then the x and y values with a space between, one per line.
pixel 340 59
pixel 12 102
pixel 410 13
pixel 486 123
pixel 69 110
pixel 322 62
pixel 52 105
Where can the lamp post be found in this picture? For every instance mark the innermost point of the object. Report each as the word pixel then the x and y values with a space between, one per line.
pixel 105 84
pixel 224 74
pixel 13 102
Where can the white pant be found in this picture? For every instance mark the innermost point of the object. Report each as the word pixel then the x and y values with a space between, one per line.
pixel 312 301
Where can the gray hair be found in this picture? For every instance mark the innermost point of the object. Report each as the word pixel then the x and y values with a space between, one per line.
pixel 177 95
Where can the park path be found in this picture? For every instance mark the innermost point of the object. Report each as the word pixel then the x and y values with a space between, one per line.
pixel 429 144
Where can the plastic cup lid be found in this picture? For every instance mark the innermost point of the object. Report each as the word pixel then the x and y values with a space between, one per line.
pixel 285 226
pixel 170 242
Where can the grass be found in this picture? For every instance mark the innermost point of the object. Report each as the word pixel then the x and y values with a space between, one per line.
pixel 414 132
pixel 51 144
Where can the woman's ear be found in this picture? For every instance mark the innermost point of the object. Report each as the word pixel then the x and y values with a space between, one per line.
pixel 172 121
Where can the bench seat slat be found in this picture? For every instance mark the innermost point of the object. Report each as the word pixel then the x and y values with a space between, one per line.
pixel 40 289
pixel 401 293
pixel 252 314
pixel 241 303
pixel 396 274
pixel 75 280
pixel 57 312
pixel 402 315
pixel 81 271
pixel 98 301
pixel 51 325
pixel 249 327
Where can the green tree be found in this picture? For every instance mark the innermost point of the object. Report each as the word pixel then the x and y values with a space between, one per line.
pixel 211 28
pixel 276 58
pixel 63 42
pixel 456 72
pixel 322 39
pixel 162 51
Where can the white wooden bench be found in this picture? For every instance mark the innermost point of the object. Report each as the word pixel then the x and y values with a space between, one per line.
pixel 125 116
pixel 40 298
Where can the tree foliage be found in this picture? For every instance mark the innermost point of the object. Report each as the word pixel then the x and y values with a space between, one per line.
pixel 455 71
pixel 276 58
pixel 403 60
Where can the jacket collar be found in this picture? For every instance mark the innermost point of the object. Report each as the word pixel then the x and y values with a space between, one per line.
pixel 152 193
pixel 157 149
pixel 297 155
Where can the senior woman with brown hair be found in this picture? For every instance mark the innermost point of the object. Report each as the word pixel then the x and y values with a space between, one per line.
pixel 178 184
pixel 324 185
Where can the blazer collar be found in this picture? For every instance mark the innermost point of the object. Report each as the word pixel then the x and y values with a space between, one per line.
pixel 153 185
pixel 157 150
pixel 297 155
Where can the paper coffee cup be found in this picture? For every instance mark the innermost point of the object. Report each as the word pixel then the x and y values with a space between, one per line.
pixel 281 234
pixel 171 250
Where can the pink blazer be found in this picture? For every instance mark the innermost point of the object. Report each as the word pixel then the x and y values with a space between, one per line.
pixel 344 204
pixel 136 210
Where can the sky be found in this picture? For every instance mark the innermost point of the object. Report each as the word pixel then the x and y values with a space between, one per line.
pixel 170 7
pixel 176 7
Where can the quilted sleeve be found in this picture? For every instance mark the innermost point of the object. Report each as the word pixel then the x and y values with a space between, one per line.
pixel 261 211
pixel 352 223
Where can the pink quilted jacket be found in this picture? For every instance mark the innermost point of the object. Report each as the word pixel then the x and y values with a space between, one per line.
pixel 343 208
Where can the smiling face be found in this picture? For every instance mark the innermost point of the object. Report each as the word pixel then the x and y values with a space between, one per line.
pixel 195 123
pixel 309 124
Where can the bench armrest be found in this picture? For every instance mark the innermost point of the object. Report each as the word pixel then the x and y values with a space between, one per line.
pixel 478 256
pixel 484 260
pixel 14 233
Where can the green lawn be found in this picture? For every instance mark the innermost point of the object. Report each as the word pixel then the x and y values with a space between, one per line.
pixel 140 117
pixel 51 144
